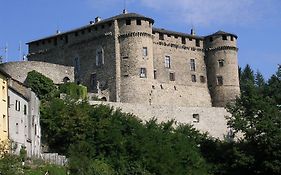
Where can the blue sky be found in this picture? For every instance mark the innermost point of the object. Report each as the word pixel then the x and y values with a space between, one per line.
pixel 256 22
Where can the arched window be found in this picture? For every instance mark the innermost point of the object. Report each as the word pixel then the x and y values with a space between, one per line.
pixel 66 79
pixel 99 56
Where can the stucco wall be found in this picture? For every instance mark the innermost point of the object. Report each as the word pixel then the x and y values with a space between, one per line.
pixel 211 119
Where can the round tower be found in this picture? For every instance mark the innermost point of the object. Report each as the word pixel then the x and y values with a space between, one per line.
pixel 222 67
pixel 136 58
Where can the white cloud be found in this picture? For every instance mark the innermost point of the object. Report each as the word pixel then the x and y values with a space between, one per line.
pixel 206 12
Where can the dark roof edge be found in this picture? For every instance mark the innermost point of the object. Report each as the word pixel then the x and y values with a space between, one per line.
pixel 121 16
pixel 176 33
pixel 222 33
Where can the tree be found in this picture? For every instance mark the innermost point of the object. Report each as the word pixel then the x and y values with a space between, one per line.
pixel 41 85
pixel 259 120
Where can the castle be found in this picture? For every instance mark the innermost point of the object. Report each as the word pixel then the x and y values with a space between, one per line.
pixel 125 59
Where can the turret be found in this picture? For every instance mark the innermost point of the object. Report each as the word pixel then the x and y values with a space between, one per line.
pixel 222 67
pixel 136 57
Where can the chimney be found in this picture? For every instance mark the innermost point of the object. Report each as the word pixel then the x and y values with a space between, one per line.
pixel 97 19
pixel 125 11
pixel 192 32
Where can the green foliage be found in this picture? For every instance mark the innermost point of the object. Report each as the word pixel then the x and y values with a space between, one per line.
pixel 100 140
pixel 42 86
pixel 73 90
pixel 256 115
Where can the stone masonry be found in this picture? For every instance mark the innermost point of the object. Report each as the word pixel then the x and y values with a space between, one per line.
pixel 130 61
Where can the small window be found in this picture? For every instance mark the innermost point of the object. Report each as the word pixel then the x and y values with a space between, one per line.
pixel 49 41
pixel 17 128
pixel 66 39
pixel 219 80
pixel 195 118
pixel 197 42
pixel 172 76
pixel 128 22
pixel 138 22
pixel 192 65
pixel 190 39
pixel 145 52
pixel 4 123
pixel 89 30
pixel 125 58
pixel 231 38
pixel 143 72
pixel 183 40
pixel 167 61
pixel 221 63
pixel 76 33
pixel 168 35
pixel 211 39
pixel 43 42
pixel 202 79
pixel 55 41
pixel 155 74
pixel 110 24
pixel 224 37
pixel 176 36
pixel 24 109
pixel 17 106
pixel 161 36
pixel 193 78
pixel 94 81
pixel 99 57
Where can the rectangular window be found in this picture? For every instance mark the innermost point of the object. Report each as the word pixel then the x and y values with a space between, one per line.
pixel 128 22
pixel 219 80
pixel 224 37
pixel 4 123
pixel 138 22
pixel 232 38
pixel 24 110
pixel 167 61
pixel 202 79
pixel 183 40
pixel 144 51
pixel 155 74
pixel 193 78
pixel 197 42
pixel 143 72
pixel 17 128
pixel 17 106
pixel 221 63
pixel 94 81
pixel 192 65
pixel 66 39
pixel 211 39
pixel 172 76
pixel 195 118
pixel 161 36
pixel 125 58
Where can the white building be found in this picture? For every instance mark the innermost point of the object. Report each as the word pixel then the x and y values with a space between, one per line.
pixel 24 119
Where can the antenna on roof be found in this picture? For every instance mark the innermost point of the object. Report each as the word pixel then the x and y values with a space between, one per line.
pixel 125 7
pixel 192 32
pixel 20 50
pixel 6 52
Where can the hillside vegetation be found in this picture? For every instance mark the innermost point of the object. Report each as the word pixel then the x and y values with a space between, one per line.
pixel 101 140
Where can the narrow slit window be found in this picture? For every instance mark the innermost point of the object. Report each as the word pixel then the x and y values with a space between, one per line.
pixel 192 65
pixel 219 80
pixel 138 22
pixel 193 78
pixel 172 76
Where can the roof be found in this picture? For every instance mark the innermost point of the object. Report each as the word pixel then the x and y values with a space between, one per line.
pixel 121 16
pixel 4 73
pixel 220 32
pixel 176 33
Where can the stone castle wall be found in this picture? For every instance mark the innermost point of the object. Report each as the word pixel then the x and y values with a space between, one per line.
pixel 122 40
pixel 19 70
pixel 211 119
